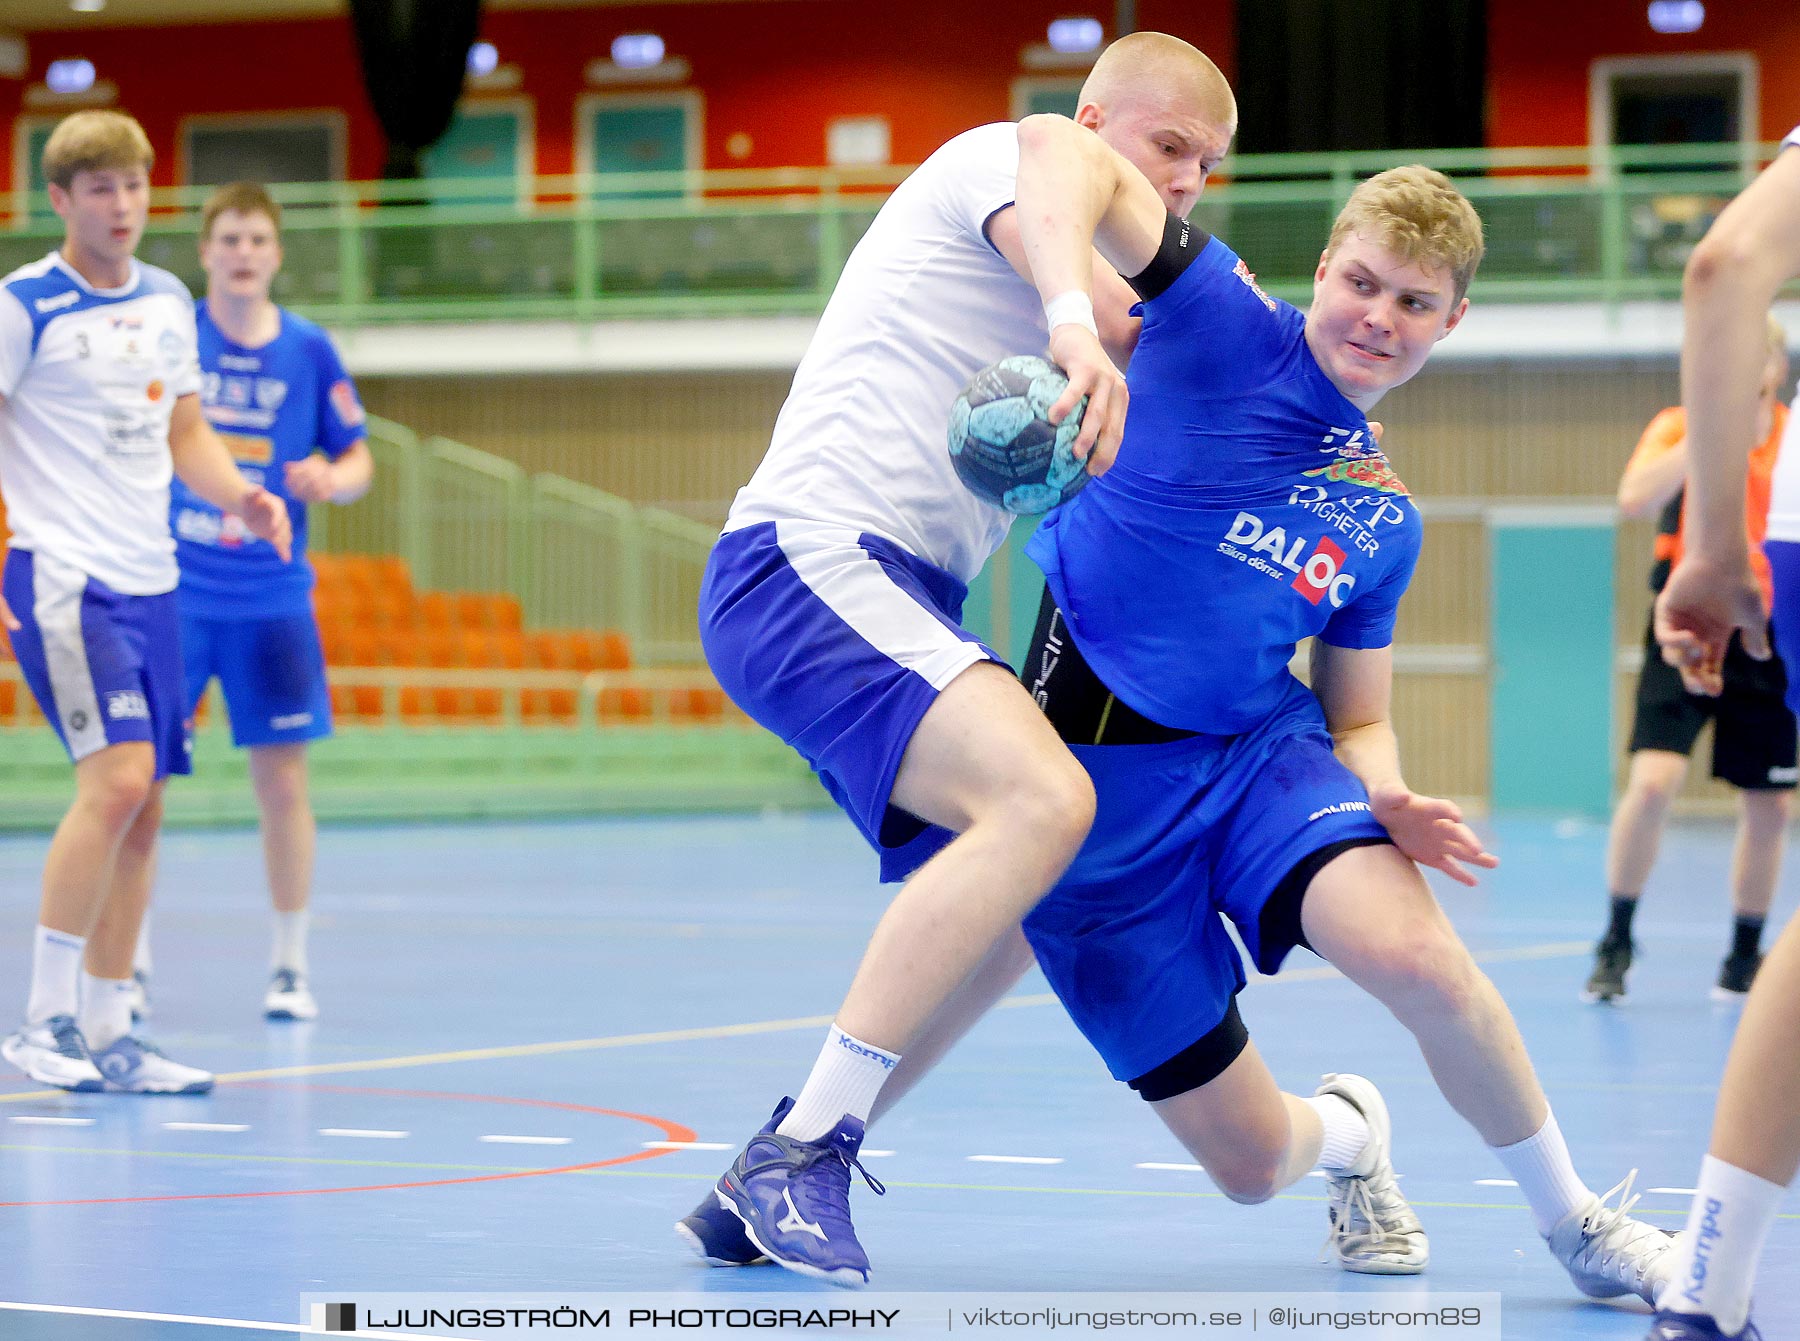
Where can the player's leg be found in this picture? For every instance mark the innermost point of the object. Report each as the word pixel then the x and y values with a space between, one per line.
pixel 290 841
pixel 84 675
pixel 1755 1148
pixel 993 978
pixel 273 674
pixel 1652 782
pixel 911 725
pixel 982 761
pixel 198 662
pixel 1254 1140
pixel 1370 914
pixel 1754 750
pixel 1752 1159
pixel 130 1064
pixel 1666 722
pixel 111 787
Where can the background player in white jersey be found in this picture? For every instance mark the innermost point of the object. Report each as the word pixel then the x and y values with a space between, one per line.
pixel 99 402
pixel 275 390
pixel 831 609
pixel 1732 277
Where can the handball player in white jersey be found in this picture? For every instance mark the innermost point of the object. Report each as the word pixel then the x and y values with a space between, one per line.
pixel 831 613
pixel 99 406
pixel 1732 277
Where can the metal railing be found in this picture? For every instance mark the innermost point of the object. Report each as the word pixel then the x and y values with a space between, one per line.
pixel 1562 224
pixel 573 555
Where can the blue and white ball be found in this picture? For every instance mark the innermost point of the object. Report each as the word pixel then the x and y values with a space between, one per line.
pixel 1002 445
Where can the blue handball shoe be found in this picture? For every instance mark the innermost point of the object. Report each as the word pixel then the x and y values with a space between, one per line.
pixel 793 1198
pixel 714 1233
pixel 1696 1327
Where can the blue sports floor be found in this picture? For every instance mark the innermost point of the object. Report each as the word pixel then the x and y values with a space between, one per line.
pixel 584 989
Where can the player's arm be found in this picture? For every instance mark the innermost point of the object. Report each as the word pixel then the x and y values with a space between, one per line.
pixel 1075 195
pixel 1113 297
pixel 205 466
pixel 1731 279
pixel 1651 479
pixel 1356 688
pixel 319 479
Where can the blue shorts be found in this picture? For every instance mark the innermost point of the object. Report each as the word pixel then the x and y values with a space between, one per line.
pixel 272 672
pixel 1132 939
pixel 838 642
pixel 105 668
pixel 1784 567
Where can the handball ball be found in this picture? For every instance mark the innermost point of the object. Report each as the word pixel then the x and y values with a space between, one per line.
pixel 1003 446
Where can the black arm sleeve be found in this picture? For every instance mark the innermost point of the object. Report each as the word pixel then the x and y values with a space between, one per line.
pixel 1182 242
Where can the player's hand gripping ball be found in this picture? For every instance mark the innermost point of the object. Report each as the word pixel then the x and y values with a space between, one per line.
pixel 1003 446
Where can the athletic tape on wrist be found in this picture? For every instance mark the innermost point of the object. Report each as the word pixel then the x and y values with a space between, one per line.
pixel 1071 308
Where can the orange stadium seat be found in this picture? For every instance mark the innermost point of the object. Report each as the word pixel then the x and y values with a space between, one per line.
pixel 436 610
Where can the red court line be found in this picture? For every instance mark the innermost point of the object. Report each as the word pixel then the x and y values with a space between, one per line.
pixel 672 1131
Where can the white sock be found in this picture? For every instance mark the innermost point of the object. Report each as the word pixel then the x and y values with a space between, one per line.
pixel 289 949
pixel 105 1011
pixel 845 1079
pixel 140 957
pixel 1346 1132
pixel 55 975
pixel 1542 1168
pixel 1715 1261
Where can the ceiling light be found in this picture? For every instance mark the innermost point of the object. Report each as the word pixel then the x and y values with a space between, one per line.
pixel 1070 36
pixel 637 51
pixel 484 59
pixel 1677 16
pixel 75 76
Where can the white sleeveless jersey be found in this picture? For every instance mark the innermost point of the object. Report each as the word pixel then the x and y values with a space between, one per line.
pixel 89 379
pixel 924 302
pixel 1784 487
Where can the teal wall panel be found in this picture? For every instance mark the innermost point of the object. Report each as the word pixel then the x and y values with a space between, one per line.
pixel 1553 655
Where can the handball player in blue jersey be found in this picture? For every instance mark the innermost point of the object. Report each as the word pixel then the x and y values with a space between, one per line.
pixel 1249 509
pixel 99 406
pixel 275 389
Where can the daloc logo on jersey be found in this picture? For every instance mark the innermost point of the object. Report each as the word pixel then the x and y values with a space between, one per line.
pixel 270 392
pixel 1317 576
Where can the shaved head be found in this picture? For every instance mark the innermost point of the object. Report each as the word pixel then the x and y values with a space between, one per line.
pixel 1163 105
pixel 1165 68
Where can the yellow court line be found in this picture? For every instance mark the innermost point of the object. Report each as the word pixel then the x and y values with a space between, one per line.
pixel 1553 950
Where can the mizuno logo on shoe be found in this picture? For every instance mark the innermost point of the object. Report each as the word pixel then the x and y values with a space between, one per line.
pixel 793 1220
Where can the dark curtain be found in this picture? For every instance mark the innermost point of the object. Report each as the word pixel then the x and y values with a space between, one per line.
pixel 1325 75
pixel 414 54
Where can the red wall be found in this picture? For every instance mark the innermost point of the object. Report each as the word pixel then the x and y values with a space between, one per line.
pixel 1538 62
pixel 777 70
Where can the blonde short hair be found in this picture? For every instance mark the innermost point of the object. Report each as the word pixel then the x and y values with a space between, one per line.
pixel 239 198
pixel 1418 215
pixel 92 141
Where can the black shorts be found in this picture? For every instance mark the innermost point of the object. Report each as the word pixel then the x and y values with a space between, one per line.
pixel 1753 735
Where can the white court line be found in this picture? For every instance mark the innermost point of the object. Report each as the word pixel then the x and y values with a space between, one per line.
pixel 206 1126
pixel 687 1145
pixel 1549 950
pixel 1174 1168
pixel 365 1135
pixel 1676 1191
pixel 246 1324
pixel 32 1119
pixel 528 1140
pixel 1014 1159
pixel 1495 1182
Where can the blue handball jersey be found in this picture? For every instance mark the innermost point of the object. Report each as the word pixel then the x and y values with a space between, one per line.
pixel 272 405
pixel 1249 509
